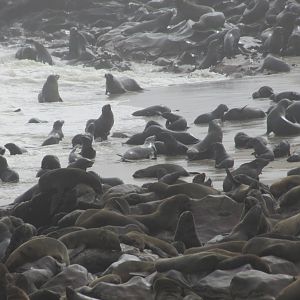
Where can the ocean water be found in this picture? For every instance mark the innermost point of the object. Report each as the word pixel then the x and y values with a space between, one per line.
pixel 82 90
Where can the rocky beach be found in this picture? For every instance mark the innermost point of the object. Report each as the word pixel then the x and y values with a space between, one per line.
pixel 149 149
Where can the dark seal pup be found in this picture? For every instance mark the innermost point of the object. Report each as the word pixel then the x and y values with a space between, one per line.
pixel 175 122
pixel 7 174
pixel 120 85
pixel 50 92
pixel 56 134
pixel 218 113
pixel 103 124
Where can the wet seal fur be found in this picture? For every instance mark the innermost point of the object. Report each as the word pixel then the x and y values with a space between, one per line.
pixel 222 158
pixel 120 85
pixel 218 113
pixel 204 149
pixel 50 92
pixel 56 134
pixel 103 124
pixel 278 123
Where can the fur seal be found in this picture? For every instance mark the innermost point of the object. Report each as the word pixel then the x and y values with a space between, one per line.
pixel 255 11
pixel 159 169
pixel 67 178
pixel 175 122
pixel 155 110
pixel 193 190
pixel 87 150
pixel 261 150
pixel 7 174
pixel 294 157
pixel 278 123
pixel 103 124
pixel 77 44
pixel 295 171
pixel 50 92
pixel 165 217
pixel 95 218
pixel 14 149
pixel 81 163
pixel 49 162
pixel 120 85
pixel 182 137
pixel 171 145
pixel 252 169
pixel 282 149
pixel 222 158
pixel 263 92
pixel 56 134
pixel 218 113
pixel 42 54
pixel 283 185
pixel 89 133
pixel 186 230
pixel 291 292
pixel 212 55
pixel 244 113
pixel 231 41
pixel 293 112
pixel 191 10
pixel 37 248
pixel 92 238
pixel 210 21
pixel 290 95
pixel 146 151
pixel 203 149
pixel 274 64
pixel 158 24
pixel 274 43
pixel 14 292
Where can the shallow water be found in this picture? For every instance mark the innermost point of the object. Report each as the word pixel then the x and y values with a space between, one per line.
pixel 82 90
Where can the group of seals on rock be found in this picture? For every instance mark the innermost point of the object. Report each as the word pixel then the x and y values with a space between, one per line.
pixel 82 227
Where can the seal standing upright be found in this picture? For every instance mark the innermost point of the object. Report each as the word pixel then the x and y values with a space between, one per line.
pixel 103 124
pixel 50 92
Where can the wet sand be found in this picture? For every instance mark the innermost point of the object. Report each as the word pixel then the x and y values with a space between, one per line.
pixel 194 99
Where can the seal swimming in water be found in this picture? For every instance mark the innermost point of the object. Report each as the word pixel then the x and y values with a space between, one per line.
pixel 146 151
pixel 50 92
pixel 103 124
pixel 203 149
pixel 7 174
pixel 120 85
pixel 56 134
pixel 278 123
pixel 14 149
pixel 218 113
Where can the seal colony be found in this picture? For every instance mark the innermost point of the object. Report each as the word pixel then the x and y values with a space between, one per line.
pixel 77 235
